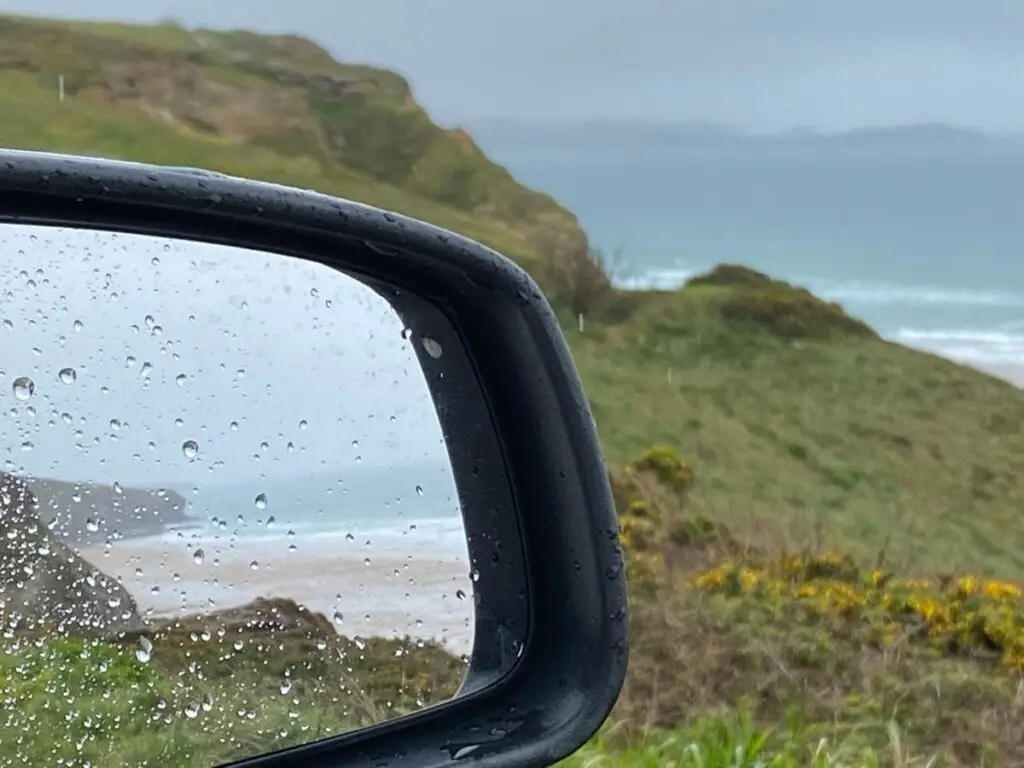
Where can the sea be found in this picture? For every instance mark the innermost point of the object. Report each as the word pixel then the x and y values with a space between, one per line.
pixel 324 513
pixel 924 243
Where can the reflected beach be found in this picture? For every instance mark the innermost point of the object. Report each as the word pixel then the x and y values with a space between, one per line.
pixel 410 585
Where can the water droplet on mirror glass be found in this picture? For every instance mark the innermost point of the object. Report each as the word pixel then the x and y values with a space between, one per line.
pixel 261 501
pixel 68 375
pixel 145 650
pixel 23 387
pixel 198 556
pixel 190 449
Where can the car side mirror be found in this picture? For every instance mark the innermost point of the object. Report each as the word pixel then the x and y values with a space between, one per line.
pixel 132 291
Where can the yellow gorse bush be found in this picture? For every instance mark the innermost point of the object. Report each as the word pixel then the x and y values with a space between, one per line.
pixel 965 615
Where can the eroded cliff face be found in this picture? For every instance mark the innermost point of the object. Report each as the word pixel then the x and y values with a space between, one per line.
pixel 44 585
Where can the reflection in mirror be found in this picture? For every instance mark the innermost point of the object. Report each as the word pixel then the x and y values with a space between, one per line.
pixel 230 523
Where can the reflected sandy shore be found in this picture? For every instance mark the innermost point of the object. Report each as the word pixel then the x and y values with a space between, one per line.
pixel 367 594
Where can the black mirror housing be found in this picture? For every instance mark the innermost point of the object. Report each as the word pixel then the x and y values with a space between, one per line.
pixel 551 640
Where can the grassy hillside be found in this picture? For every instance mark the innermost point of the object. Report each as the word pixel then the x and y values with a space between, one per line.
pixel 824 546
pixel 803 424
pixel 264 107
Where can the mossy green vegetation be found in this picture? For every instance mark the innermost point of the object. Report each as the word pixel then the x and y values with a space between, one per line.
pixel 821 527
pixel 208 690
pixel 753 653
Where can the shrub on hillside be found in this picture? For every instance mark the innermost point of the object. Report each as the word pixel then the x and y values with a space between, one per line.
pixel 579 278
pixel 657 536
pixel 758 301
pixel 964 616
pixel 731 276
pixel 792 313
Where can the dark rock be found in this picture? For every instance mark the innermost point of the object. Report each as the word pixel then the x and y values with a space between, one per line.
pixel 44 585
pixel 89 513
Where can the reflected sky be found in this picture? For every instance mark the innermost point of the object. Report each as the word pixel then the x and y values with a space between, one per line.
pixel 172 362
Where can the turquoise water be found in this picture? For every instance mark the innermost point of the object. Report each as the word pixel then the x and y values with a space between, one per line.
pixel 927 246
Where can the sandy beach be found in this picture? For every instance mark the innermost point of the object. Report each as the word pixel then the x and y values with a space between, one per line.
pixel 419 593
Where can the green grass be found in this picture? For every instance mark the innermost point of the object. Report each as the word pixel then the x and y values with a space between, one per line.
pixel 204 695
pixel 733 740
pixel 857 441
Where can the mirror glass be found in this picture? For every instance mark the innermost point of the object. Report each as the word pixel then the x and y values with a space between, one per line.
pixel 229 519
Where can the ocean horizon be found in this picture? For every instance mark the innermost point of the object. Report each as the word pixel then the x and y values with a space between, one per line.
pixel 926 246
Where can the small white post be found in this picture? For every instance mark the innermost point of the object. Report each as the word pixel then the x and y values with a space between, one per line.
pixel 580 317
pixel 60 87
pixel 669 374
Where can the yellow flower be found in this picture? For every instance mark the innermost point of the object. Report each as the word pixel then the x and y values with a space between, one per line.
pixel 999 590
pixel 967 585
pixel 748 578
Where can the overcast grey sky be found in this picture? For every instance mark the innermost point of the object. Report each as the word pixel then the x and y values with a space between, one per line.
pixel 761 63
pixel 136 345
